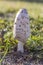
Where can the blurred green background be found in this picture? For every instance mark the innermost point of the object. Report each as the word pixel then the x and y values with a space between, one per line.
pixel 27 0
pixel 8 10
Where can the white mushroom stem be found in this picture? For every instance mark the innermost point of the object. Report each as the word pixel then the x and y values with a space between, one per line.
pixel 20 47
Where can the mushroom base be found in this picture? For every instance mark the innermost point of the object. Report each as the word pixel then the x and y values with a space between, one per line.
pixel 20 47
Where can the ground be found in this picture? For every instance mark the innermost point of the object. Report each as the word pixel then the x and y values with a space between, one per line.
pixel 18 58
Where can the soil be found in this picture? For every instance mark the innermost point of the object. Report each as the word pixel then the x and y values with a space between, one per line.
pixel 18 58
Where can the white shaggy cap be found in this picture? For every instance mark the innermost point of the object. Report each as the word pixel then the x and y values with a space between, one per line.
pixel 21 29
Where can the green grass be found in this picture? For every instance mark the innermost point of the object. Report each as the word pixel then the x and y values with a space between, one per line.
pixel 7 42
pixel 34 9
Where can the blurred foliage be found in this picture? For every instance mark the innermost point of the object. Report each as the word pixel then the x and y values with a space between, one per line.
pixel 27 0
pixel 35 42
